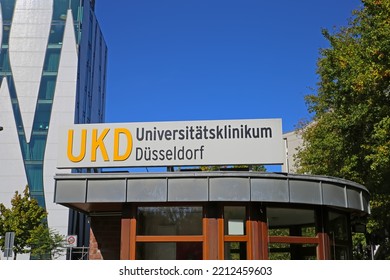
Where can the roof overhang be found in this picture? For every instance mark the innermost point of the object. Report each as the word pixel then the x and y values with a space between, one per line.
pixel 108 192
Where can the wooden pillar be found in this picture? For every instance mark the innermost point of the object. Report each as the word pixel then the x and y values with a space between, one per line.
pixel 210 232
pixel 221 233
pixel 323 248
pixel 257 233
pixel 125 235
pixel 128 233
pixel 253 244
pixel 263 233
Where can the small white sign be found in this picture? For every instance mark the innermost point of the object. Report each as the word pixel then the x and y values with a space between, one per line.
pixel 235 227
pixel 71 240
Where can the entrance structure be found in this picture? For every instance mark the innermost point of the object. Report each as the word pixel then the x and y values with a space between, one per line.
pixel 216 215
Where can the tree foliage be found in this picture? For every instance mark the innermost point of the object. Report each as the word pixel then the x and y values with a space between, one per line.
pixel 27 219
pixel 24 215
pixel 349 136
pixel 46 243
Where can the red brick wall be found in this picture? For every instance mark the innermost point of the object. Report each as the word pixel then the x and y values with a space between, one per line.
pixel 105 238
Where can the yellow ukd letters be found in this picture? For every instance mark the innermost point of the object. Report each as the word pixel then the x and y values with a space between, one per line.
pixel 98 144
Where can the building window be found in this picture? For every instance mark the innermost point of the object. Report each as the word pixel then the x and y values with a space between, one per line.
pixel 292 234
pixel 169 251
pixel 169 221
pixel 339 236
pixel 235 237
pixel 169 233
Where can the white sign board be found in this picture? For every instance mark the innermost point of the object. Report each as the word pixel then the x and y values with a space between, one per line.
pixel 71 240
pixel 184 143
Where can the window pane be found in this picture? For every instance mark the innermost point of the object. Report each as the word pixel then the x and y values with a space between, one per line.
pixel 235 251
pixel 338 226
pixel 339 236
pixel 169 221
pixel 291 222
pixel 169 251
pixel 279 251
pixel 234 218
pixel 285 251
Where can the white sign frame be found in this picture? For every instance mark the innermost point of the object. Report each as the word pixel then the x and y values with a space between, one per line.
pixel 181 143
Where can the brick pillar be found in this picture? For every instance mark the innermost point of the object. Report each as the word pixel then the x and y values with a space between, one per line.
pixel 94 252
pixel 105 238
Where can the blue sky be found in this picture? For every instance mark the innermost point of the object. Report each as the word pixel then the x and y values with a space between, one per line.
pixel 214 59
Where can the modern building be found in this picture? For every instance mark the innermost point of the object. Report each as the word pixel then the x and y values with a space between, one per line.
pixel 216 215
pixel 53 73
pixel 204 215
pixel 293 141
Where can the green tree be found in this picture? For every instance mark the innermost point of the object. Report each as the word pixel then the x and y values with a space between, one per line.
pixel 27 219
pixel 46 243
pixel 24 216
pixel 349 135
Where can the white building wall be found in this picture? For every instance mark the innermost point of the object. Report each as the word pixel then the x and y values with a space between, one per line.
pixel 29 35
pixel 293 141
pixel 63 112
pixel 12 174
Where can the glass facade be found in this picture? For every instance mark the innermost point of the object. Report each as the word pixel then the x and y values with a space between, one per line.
pixel 240 233
pixel 160 222
pixel 85 97
pixel 33 149
pixel 167 233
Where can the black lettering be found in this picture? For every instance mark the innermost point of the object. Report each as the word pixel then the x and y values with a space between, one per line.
pixel 160 134
pixel 236 133
pixel 169 154
pixel 198 134
pixel 138 154
pixel 168 134
pixel 174 134
pixel 147 153
pixel 219 132
pixel 180 153
pixel 247 132
pixel 140 137
pixel 155 155
pixel 181 134
pixel 189 154
pixel 212 133
pixel 191 133
pixel 205 130
pixel 266 132
pixel 162 156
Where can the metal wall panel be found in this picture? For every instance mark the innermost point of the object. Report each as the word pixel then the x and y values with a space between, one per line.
pixel 106 191
pixel 70 191
pixel 333 195
pixel 147 190
pixel 305 192
pixel 188 189
pixel 354 199
pixel 229 189
pixel 269 190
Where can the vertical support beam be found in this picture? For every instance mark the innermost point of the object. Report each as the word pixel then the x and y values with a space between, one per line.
pixel 250 246
pixel 252 232
pixel 257 232
pixel 323 248
pixel 221 234
pixel 210 232
pixel 263 233
pixel 133 232
pixel 125 235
